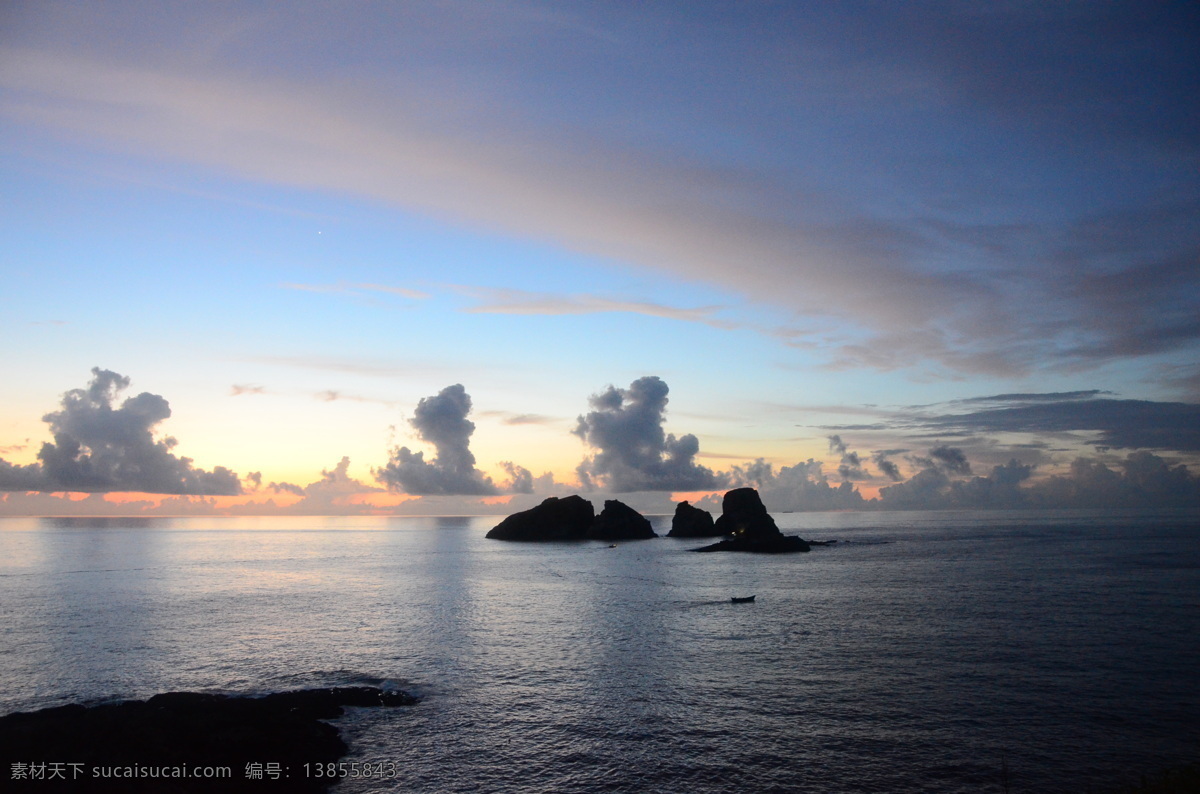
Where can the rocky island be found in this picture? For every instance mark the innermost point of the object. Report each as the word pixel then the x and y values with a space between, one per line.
pixel 186 742
pixel 619 521
pixel 692 522
pixel 574 518
pixel 750 527
pixel 744 522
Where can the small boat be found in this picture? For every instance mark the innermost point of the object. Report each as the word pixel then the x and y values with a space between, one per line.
pixel 746 600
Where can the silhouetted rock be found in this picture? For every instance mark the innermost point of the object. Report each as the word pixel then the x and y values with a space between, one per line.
pixel 265 743
pixel 782 544
pixel 743 515
pixel 750 527
pixel 568 518
pixel 619 521
pixel 692 522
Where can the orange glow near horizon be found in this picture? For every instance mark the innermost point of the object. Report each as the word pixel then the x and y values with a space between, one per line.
pixel 379 500
pixel 869 491
pixel 693 496
pixel 70 496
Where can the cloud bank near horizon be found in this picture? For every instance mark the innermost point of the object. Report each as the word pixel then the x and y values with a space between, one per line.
pixel 105 445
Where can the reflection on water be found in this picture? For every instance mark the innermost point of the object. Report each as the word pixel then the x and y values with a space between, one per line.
pixel 913 655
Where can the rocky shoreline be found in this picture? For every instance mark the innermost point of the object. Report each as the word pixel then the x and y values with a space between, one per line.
pixel 187 742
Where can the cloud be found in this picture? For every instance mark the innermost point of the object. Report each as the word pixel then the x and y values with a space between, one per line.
pixel 510 418
pixel 888 467
pixel 950 459
pixel 851 466
pixel 473 142
pixel 520 479
pixel 1140 480
pixel 1036 397
pixel 836 445
pixel 333 494
pixel 1079 417
pixel 442 421
pixel 515 301
pixel 634 453
pixel 1060 129
pixel 99 447
pixel 238 389
pixel 801 487
pixel 1128 424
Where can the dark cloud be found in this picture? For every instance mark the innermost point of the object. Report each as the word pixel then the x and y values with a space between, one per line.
pixel 888 467
pixel 851 466
pixel 950 459
pixel 520 479
pixel 1036 397
pixel 442 421
pixel 101 448
pixel 756 475
pixel 1141 480
pixel 1134 279
pixel 1116 72
pixel 1122 424
pixel 634 453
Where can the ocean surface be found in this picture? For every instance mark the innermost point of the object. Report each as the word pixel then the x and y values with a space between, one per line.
pixel 932 652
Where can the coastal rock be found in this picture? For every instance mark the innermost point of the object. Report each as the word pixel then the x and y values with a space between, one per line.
pixel 750 527
pixel 619 521
pixel 568 518
pixel 783 544
pixel 692 522
pixel 148 745
pixel 743 515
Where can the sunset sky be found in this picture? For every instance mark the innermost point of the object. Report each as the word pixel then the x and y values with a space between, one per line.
pixel 647 245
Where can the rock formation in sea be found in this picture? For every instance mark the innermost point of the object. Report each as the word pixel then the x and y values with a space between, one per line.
pixel 568 518
pixel 751 527
pixel 743 513
pixel 273 743
pixel 692 522
pixel 619 521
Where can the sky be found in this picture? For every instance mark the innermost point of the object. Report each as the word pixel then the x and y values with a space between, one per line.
pixel 455 257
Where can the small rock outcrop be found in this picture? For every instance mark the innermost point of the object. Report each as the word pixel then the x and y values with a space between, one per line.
pixel 750 527
pixel 185 730
pixel 692 522
pixel 568 518
pixel 619 521
pixel 784 544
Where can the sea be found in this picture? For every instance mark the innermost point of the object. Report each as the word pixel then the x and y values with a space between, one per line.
pixel 923 652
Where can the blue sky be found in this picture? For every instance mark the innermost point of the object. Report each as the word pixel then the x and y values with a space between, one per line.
pixel 808 220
